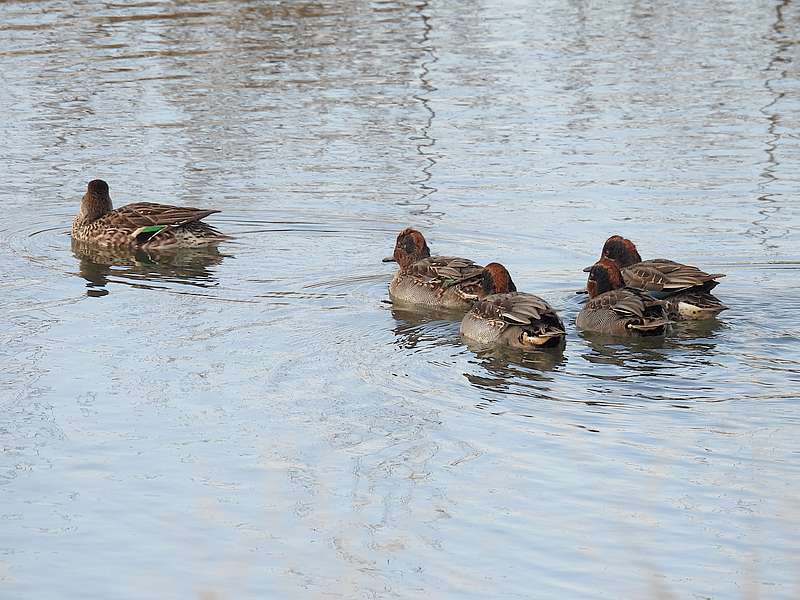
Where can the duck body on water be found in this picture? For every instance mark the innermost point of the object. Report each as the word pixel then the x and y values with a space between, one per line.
pixel 614 309
pixel 144 225
pixel 685 288
pixel 627 296
pixel 506 317
pixel 445 282
pixel 498 314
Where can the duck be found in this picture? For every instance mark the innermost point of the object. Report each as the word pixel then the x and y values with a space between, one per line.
pixel 445 282
pixel 506 317
pixel 614 309
pixel 686 289
pixel 143 225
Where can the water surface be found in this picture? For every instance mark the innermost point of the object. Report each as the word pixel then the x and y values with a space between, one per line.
pixel 258 422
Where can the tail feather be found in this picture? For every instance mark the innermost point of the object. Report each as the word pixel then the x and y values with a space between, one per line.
pixel 217 233
pixel 691 310
pixel 649 325
pixel 542 337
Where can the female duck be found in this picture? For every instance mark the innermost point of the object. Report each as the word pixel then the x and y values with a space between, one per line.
pixel 510 318
pixel 142 225
pixel 445 282
pixel 614 309
pixel 685 288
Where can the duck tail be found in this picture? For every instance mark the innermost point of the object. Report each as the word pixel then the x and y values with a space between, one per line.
pixel 543 337
pixel 689 310
pixel 216 233
pixel 650 327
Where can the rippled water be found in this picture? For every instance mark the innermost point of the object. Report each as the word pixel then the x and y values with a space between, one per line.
pixel 258 422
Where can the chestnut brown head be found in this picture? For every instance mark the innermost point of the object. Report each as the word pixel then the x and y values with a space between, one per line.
pixel 95 202
pixel 409 248
pixel 604 276
pixel 497 280
pixel 621 250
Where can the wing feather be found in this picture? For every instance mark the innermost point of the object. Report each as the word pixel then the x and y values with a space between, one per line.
pixel 447 269
pixel 662 275
pixel 142 214
pixel 517 308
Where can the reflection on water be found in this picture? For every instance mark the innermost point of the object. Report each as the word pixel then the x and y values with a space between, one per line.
pixel 415 327
pixel 635 352
pixel 701 333
pixel 145 269
pixel 502 370
pixel 425 143
pixel 500 359
pixel 766 227
pixel 652 353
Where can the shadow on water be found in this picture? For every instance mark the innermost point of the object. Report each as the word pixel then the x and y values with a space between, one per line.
pixel 145 269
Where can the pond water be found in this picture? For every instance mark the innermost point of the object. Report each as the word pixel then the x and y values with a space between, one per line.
pixel 258 422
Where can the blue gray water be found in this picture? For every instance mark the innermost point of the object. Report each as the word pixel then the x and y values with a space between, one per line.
pixel 258 422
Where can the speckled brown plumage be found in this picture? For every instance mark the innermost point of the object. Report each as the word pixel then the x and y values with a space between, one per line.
pixel 509 317
pixel 98 223
pixel 447 282
pixel 685 287
pixel 616 310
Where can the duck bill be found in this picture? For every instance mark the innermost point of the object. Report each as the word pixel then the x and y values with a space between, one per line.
pixel 388 259
pixel 587 269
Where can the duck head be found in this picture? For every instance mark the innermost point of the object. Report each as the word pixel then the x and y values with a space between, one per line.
pixel 409 248
pixel 621 250
pixel 497 280
pixel 95 202
pixel 604 276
